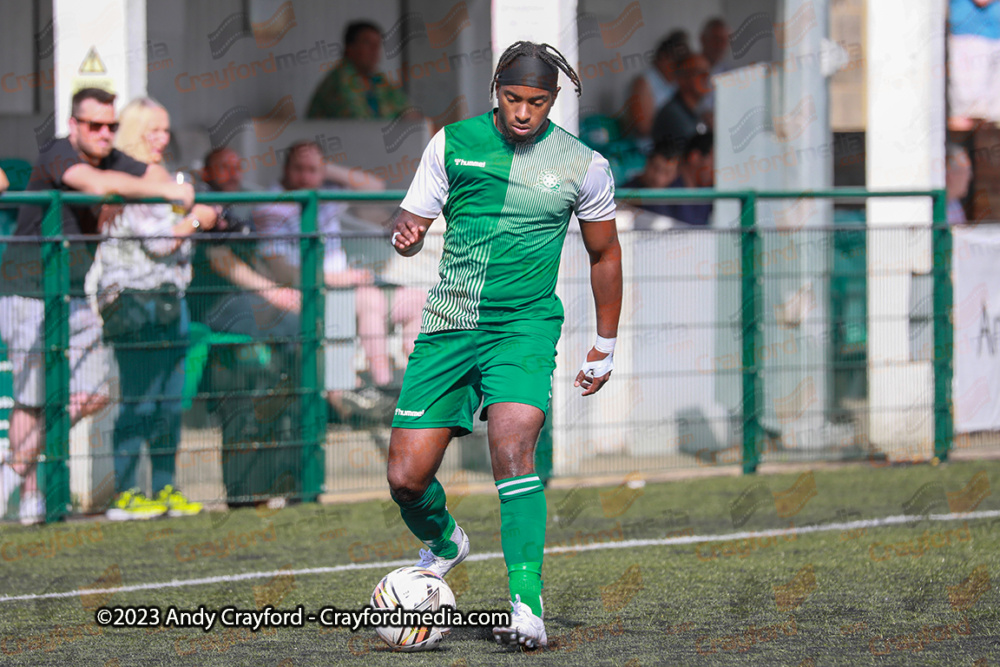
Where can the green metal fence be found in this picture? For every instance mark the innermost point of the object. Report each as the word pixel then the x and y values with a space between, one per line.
pixel 313 468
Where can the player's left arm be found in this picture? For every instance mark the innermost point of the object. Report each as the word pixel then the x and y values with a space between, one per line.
pixel 601 242
pixel 595 208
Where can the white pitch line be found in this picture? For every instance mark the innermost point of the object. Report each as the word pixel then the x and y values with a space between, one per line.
pixel 625 544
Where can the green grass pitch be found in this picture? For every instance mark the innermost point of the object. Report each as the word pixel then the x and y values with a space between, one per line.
pixel 913 594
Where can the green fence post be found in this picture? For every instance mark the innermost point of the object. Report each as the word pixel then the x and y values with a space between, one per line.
pixel 750 322
pixel 313 414
pixel 943 329
pixel 53 471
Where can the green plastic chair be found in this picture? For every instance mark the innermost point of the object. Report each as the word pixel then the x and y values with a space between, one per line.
pixel 200 341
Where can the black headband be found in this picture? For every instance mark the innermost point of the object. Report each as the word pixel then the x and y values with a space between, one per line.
pixel 530 71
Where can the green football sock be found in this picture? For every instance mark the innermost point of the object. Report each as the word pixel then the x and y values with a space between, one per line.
pixel 428 518
pixel 522 536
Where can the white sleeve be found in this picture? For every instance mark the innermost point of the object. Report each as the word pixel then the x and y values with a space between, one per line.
pixel 429 189
pixel 596 201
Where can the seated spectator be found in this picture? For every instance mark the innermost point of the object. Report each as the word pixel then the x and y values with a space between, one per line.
pixel 252 395
pixel 656 86
pixel 659 173
pixel 305 170
pixel 228 294
pixel 222 172
pixel 697 170
pixel 679 119
pixel 973 63
pixel 143 270
pixel 958 175
pixel 355 88
pixel 4 183
pixel 85 161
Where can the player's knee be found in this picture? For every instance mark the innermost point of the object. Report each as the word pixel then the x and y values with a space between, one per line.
pixel 402 487
pixel 402 483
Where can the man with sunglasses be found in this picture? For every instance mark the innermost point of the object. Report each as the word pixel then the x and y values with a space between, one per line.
pixel 85 161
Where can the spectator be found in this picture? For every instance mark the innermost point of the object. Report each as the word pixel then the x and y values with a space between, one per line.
pixel 252 394
pixel 958 175
pixel 305 170
pixel 678 120
pixel 354 88
pixel 659 173
pixel 974 62
pixel 657 85
pixel 144 270
pixel 715 44
pixel 697 170
pixel 222 171
pixel 4 183
pixel 85 161
pixel 232 296
pixel 715 47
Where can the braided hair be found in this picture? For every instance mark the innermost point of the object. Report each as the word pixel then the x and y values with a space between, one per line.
pixel 544 52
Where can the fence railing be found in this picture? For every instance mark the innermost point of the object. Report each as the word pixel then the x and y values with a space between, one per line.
pixel 313 467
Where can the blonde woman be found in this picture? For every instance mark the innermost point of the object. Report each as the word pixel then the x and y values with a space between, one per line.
pixel 144 269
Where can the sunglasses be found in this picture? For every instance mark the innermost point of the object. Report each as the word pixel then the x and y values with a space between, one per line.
pixel 96 126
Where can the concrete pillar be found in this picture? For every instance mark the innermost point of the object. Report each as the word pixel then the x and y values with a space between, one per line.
pixel 577 434
pixel 905 150
pixel 100 43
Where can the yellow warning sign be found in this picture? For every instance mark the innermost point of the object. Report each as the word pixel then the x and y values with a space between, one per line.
pixel 93 64
pixel 93 74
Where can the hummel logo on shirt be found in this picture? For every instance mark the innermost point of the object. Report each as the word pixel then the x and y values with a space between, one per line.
pixel 459 162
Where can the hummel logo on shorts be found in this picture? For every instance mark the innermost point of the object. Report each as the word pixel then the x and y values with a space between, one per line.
pixel 409 413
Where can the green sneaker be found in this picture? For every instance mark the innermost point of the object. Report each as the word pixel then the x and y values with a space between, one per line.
pixel 176 503
pixel 132 505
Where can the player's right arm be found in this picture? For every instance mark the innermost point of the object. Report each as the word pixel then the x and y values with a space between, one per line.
pixel 424 200
pixel 408 232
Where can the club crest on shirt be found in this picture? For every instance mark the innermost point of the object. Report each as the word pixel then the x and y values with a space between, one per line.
pixel 549 179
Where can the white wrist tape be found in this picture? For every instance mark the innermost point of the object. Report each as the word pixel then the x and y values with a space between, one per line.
pixel 606 345
pixel 599 368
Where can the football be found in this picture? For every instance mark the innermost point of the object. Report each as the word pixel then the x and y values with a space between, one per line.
pixel 416 589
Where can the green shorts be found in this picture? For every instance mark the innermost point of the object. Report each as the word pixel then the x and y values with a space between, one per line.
pixel 451 372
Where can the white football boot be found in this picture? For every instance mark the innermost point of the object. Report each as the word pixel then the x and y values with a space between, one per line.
pixel 32 509
pixel 525 629
pixel 441 566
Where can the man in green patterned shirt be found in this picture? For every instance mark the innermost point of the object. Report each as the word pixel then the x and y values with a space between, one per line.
pixel 508 183
pixel 354 88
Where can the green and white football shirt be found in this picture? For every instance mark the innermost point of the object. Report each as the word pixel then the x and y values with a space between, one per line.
pixel 507 207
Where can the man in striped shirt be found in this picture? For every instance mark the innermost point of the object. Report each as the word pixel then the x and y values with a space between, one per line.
pixel 507 183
